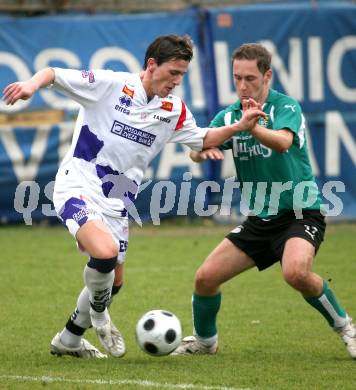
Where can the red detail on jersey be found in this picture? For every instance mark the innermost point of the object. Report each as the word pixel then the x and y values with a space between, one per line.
pixel 168 106
pixel 182 117
pixel 128 91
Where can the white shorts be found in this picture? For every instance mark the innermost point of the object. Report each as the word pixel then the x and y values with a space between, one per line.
pixel 74 208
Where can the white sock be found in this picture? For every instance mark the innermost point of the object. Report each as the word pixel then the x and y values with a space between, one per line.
pixel 81 316
pixel 99 286
pixel 69 339
pixel 99 319
pixel 207 341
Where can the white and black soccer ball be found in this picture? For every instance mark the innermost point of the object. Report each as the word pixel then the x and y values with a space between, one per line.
pixel 158 332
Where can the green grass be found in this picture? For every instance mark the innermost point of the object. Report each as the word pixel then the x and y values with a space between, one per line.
pixel 269 338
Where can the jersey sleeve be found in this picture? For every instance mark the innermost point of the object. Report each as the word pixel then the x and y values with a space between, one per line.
pixel 219 121
pixel 288 115
pixel 83 86
pixel 187 132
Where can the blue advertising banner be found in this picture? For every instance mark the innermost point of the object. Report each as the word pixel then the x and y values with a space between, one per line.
pixel 32 152
pixel 116 42
pixel 314 58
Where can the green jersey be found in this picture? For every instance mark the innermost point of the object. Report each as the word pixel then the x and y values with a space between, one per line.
pixel 272 182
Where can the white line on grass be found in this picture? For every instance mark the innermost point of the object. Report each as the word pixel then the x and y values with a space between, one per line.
pixel 144 383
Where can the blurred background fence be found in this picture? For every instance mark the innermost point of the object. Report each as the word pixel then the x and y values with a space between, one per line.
pixel 314 59
pixel 33 6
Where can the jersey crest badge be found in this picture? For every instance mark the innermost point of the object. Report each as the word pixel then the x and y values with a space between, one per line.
pixel 128 91
pixel 263 122
pixel 168 106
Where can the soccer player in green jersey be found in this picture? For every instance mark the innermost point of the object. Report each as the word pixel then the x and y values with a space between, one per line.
pixel 271 157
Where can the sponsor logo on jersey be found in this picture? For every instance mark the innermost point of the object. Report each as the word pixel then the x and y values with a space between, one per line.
pixel 131 133
pixel 122 109
pixel 128 91
pixel 244 151
pixel 161 118
pixel 90 74
pixel 125 102
pixel 291 106
pixel 168 106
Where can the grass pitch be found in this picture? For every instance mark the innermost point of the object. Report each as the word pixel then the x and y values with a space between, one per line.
pixel 269 338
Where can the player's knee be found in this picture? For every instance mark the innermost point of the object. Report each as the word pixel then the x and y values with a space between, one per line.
pixel 296 278
pixel 106 251
pixel 204 282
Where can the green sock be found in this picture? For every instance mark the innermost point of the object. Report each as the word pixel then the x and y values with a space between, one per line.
pixel 205 310
pixel 329 307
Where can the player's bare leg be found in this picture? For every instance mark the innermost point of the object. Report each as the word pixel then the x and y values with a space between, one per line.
pixel 225 262
pixel 297 271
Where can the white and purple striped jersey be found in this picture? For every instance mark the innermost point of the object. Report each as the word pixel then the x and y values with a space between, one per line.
pixel 118 133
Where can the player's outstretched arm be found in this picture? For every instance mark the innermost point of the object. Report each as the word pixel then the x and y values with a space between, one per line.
pixel 25 89
pixel 216 136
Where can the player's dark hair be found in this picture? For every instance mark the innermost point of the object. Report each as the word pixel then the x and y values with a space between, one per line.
pixel 169 47
pixel 254 51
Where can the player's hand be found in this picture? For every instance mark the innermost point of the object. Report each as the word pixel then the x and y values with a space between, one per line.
pixel 252 112
pixel 19 90
pixel 212 154
pixel 250 103
pixel 207 154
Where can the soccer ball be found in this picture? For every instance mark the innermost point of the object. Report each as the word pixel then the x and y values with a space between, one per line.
pixel 158 332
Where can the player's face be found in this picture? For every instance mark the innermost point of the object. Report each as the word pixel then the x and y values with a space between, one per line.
pixel 165 77
pixel 249 81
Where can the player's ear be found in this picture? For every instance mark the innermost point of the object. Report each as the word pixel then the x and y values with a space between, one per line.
pixel 151 64
pixel 268 75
